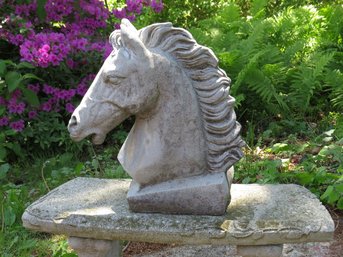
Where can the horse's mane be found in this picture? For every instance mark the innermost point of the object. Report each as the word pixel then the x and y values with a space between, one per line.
pixel 212 89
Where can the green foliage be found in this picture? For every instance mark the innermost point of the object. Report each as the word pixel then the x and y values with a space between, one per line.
pixel 285 65
pixel 21 185
pixel 16 76
pixel 183 13
pixel 316 164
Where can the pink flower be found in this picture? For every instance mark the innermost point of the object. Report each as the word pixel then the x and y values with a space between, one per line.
pixel 79 44
pixel 46 107
pixel 16 94
pixel 56 10
pixel 32 114
pixel 4 121
pixel 70 63
pixel 157 6
pixel 119 13
pixel 2 101
pixel 117 26
pixel 34 87
pixel 70 107
pixel 48 89
pixel 44 49
pixel 108 50
pixel 134 6
pixel 17 125
pixel 16 108
pixel 131 17
pixel 81 89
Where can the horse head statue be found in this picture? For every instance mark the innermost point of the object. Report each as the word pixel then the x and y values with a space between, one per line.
pixel 185 136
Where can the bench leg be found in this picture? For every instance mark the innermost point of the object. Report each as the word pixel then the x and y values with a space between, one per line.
pixel 87 247
pixel 259 250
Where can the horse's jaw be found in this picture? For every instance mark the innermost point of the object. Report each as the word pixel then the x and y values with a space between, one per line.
pixel 97 137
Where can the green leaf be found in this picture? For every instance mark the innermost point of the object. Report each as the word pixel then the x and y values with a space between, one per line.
pixel 246 180
pixel 41 13
pixel 339 188
pixel 280 147
pixel 327 192
pixel 25 65
pixel 9 216
pixel 31 97
pixel 258 7
pixel 9 62
pixel 329 133
pixel 3 153
pixel 69 255
pixel 230 13
pixel 78 168
pixel 95 164
pixel 13 80
pixel 16 148
pixel 340 203
pixel 333 197
pixel 305 178
pixel 4 168
pixel 27 244
pixel 31 76
pixel 339 127
pixel 2 110
pixel 2 68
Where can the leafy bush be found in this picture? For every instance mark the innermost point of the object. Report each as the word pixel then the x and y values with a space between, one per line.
pixel 56 47
pixel 316 164
pixel 285 66
pixel 185 14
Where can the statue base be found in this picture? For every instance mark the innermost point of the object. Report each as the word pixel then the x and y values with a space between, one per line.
pixel 199 195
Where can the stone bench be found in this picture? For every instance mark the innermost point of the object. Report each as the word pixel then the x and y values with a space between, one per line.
pixel 94 214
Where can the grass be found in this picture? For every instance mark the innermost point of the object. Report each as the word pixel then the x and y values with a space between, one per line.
pixel 25 184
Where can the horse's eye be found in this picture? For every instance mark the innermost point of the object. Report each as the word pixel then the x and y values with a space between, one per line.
pixel 113 79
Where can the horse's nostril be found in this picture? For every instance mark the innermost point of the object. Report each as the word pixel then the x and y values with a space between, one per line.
pixel 72 122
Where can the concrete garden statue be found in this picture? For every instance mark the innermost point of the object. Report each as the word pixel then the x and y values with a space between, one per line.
pixel 185 137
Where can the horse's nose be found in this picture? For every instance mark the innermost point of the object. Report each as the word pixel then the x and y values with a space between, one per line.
pixel 72 123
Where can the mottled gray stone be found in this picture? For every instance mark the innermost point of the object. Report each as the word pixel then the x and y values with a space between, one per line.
pixel 257 215
pixel 87 247
pixel 259 250
pixel 185 124
pixel 197 195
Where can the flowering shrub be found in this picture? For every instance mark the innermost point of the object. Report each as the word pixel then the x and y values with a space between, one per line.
pixel 60 44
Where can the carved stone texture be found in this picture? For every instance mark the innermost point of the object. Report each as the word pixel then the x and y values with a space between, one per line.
pixel 260 250
pixel 257 215
pixel 87 247
pixel 185 121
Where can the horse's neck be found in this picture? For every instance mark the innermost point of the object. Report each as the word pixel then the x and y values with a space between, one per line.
pixel 169 141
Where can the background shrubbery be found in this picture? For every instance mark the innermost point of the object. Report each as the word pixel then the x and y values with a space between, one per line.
pixel 285 60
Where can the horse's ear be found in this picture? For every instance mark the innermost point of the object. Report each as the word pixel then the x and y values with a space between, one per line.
pixel 131 40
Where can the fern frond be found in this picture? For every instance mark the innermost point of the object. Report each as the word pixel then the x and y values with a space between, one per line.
pixel 307 79
pixel 263 86
pixel 258 9
pixel 334 83
pixel 243 73
pixel 320 61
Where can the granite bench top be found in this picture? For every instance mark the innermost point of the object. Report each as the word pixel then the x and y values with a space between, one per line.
pixel 257 215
